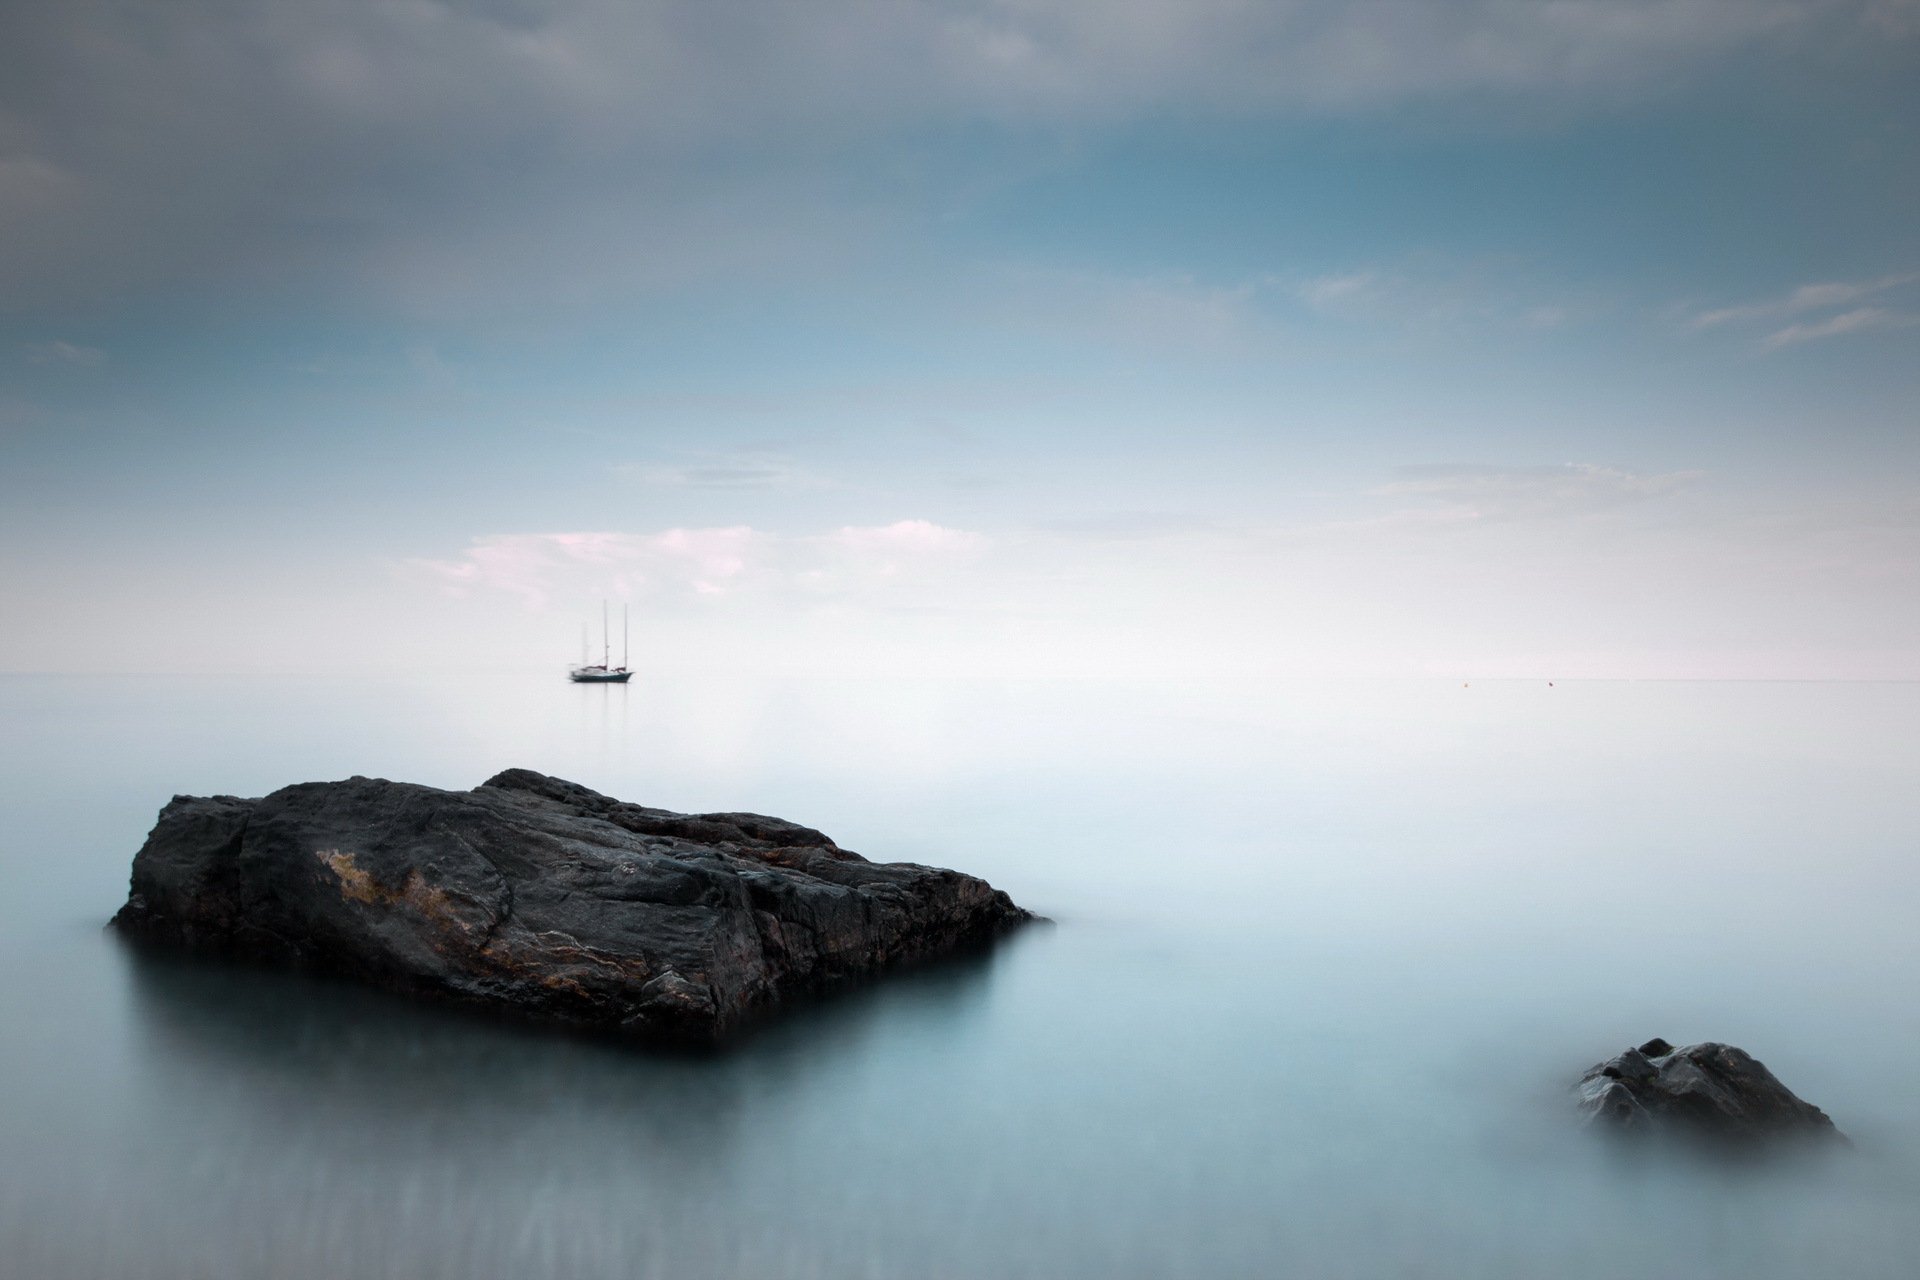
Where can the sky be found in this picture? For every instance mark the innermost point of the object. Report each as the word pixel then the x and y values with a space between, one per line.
pixel 999 338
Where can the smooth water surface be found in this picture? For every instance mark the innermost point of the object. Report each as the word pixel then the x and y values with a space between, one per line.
pixel 1327 957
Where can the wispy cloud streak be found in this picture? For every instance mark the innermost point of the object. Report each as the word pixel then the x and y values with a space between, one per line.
pixel 1483 494
pixel 1811 299
pixel 1856 321
pixel 63 353
pixel 724 471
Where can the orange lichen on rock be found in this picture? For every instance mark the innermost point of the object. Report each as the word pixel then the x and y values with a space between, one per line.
pixel 355 883
pixel 359 884
pixel 430 900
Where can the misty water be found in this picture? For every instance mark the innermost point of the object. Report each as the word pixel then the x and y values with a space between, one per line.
pixel 1326 959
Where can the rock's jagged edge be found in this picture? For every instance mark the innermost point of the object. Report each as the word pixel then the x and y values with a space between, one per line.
pixel 539 897
pixel 1707 1090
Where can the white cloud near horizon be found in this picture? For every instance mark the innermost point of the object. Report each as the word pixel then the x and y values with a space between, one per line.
pixel 1589 569
pixel 540 568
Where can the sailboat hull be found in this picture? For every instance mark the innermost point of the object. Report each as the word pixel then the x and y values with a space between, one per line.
pixel 603 672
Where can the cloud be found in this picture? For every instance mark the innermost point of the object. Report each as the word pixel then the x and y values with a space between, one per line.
pixel 1808 297
pixel 1812 298
pixel 911 537
pixel 660 141
pixel 1335 291
pixel 1897 18
pixel 1438 290
pixel 889 548
pixel 1181 314
pixel 1856 321
pixel 534 566
pixel 734 560
pixel 1485 494
pixel 63 353
pixel 1339 55
pixel 725 471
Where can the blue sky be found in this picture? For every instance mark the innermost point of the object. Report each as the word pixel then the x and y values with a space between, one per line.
pixel 1012 337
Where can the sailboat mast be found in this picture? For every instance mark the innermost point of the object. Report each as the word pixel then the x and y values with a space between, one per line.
pixel 606 649
pixel 624 659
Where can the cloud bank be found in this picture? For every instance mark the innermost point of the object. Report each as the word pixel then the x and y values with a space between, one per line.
pixel 268 138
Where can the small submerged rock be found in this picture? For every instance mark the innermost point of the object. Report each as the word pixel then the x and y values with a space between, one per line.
pixel 1705 1090
pixel 540 898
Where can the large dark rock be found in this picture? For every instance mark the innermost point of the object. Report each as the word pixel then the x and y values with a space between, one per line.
pixel 1706 1090
pixel 539 897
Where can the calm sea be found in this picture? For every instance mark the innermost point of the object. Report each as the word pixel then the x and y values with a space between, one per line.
pixel 1327 957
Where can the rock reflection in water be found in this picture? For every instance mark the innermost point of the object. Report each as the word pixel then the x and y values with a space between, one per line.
pixel 317 1129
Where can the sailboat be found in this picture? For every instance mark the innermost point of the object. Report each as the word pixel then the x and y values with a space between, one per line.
pixel 604 673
